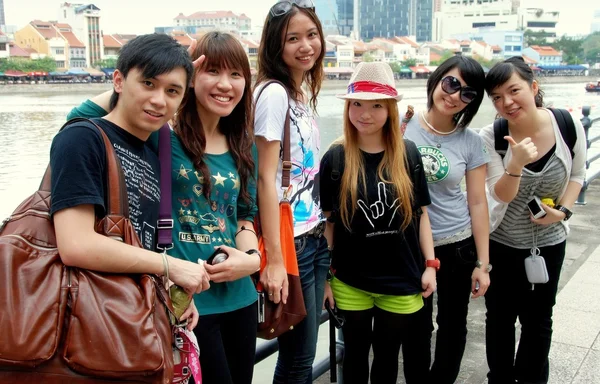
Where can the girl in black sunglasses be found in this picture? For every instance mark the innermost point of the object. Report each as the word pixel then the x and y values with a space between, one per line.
pixel 459 223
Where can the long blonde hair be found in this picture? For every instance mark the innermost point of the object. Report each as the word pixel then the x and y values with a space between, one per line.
pixel 392 170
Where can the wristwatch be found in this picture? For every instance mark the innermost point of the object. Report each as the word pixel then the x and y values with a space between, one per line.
pixel 568 213
pixel 435 263
pixel 479 264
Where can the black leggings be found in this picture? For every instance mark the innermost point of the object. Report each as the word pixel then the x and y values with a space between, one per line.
pixel 386 332
pixel 227 344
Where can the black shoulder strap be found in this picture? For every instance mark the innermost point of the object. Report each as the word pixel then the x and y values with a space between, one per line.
pixel 336 175
pixel 567 127
pixel 500 130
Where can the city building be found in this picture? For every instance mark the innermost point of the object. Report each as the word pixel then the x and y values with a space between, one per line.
pixel 4 46
pixel 327 10
pixel 2 19
pixel 543 55
pixel 482 49
pixel 85 22
pixel 210 20
pixel 368 19
pixel 45 39
pixel 595 26
pixel 539 20
pixel 16 51
pixel 112 46
pixel 468 16
pixel 345 17
pixel 251 48
pixel 76 49
pixel 344 50
pixel 504 44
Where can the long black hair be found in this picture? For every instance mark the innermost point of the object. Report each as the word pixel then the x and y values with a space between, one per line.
pixel 472 73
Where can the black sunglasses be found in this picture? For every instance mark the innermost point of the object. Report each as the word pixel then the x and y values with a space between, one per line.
pixel 451 85
pixel 282 7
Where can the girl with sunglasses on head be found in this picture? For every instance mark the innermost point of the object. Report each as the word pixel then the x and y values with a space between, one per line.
pixel 373 192
pixel 214 202
pixel 459 223
pixel 538 163
pixel 291 51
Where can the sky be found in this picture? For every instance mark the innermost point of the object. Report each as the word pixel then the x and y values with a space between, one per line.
pixel 141 16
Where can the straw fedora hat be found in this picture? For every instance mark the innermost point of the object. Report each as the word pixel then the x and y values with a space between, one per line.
pixel 372 81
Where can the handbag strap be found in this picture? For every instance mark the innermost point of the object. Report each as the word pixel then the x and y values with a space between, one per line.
pixel 286 166
pixel 165 219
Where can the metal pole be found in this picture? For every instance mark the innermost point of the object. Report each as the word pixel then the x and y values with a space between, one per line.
pixel 587 123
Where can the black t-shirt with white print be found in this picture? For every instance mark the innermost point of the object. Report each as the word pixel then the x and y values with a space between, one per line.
pixel 376 255
pixel 78 163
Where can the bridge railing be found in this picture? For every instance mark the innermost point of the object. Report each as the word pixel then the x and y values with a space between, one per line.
pixel 332 363
pixel 587 123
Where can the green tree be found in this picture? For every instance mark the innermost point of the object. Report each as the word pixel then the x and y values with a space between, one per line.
pixel 47 64
pixel 396 67
pixel 106 63
pixel 534 38
pixel 592 56
pixel 409 62
pixel 571 48
pixel 367 57
pixel 445 56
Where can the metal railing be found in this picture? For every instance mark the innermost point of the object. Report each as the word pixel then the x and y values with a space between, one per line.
pixel 587 123
pixel 333 363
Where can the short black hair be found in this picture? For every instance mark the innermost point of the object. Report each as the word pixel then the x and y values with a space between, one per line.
pixel 153 54
pixel 502 72
pixel 472 73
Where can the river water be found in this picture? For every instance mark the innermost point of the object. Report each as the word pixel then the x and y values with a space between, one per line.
pixel 29 120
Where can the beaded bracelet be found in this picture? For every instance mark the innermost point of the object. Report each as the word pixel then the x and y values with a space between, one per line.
pixel 243 228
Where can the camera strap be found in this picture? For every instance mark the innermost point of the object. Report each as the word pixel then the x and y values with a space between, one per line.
pixel 534 251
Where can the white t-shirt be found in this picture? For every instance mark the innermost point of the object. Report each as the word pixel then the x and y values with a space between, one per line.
pixel 269 120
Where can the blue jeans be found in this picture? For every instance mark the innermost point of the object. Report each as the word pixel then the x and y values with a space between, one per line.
pixel 297 347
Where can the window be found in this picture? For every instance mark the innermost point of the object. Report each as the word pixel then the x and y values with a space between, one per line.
pixel 541 24
pixel 484 24
pixel 2 46
pixel 59 51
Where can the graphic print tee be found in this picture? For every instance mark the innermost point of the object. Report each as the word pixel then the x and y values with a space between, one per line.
pixel 78 161
pixel 446 160
pixel 305 142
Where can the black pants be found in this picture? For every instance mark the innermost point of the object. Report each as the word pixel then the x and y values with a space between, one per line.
pixel 510 297
pixel 386 332
pixel 457 261
pixel 227 344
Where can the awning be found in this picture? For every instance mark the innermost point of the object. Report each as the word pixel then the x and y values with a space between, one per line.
pixel 108 71
pixel 420 69
pixel 94 72
pixel 562 67
pixel 11 73
pixel 535 68
pixel 57 73
pixel 77 72
pixel 1 73
pixel 39 73
pixel 405 70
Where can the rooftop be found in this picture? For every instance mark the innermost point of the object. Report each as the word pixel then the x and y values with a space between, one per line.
pixel 210 15
pixel 545 50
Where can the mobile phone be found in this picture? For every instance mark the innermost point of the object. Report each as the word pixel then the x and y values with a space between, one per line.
pixel 535 207
pixel 217 257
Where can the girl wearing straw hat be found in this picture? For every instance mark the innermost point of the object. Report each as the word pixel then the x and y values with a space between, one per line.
pixel 379 234
pixel 459 223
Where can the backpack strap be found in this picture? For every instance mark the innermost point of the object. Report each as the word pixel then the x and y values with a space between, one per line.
pixel 286 166
pixel 413 157
pixel 336 176
pixel 500 130
pixel 567 127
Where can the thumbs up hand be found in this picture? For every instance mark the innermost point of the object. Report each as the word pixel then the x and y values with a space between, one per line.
pixel 524 152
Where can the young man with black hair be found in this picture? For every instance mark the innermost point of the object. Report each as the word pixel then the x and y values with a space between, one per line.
pixel 152 75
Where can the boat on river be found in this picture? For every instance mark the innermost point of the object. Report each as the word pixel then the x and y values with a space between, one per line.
pixel 591 87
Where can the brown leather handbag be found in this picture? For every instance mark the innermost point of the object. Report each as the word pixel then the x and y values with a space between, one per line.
pixel 280 318
pixel 61 324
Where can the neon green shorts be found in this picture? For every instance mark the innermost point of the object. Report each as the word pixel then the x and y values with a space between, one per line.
pixel 349 298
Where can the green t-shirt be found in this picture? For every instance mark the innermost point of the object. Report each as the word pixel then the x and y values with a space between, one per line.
pixel 200 225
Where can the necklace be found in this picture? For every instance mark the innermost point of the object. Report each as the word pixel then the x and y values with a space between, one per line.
pixel 435 130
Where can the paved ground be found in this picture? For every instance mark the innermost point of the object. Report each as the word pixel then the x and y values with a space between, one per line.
pixel 575 353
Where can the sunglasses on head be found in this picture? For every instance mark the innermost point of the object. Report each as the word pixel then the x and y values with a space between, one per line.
pixel 282 7
pixel 451 85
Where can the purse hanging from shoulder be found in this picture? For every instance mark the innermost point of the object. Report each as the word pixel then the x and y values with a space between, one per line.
pixel 280 318
pixel 75 325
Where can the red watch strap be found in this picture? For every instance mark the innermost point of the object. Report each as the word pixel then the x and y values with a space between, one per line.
pixel 435 263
